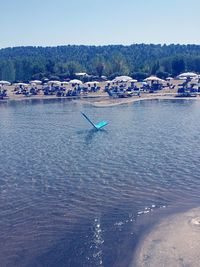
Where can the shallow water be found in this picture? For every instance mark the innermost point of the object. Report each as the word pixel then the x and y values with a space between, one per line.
pixel 175 241
pixel 71 196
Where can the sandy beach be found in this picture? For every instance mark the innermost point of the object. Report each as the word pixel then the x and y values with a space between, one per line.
pixel 99 99
pixel 104 101
pixel 174 242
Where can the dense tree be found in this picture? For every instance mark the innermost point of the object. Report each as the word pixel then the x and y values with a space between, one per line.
pixel 155 68
pixel 73 67
pixel 162 74
pixel 178 66
pixel 118 64
pixel 7 70
pixel 138 61
pixel 139 75
pixel 99 66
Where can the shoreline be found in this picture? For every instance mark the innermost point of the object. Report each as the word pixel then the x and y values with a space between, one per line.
pixel 101 100
pixel 50 97
pixel 126 101
pixel 174 241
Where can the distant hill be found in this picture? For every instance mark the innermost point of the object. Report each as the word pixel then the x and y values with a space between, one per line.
pixel 61 62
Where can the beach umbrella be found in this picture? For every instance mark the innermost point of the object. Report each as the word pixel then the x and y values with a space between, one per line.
pixel 122 79
pixel 75 81
pixel 58 83
pixel 5 83
pixel 133 81
pixel 182 78
pixel 21 84
pixel 186 75
pixel 35 82
pixel 152 79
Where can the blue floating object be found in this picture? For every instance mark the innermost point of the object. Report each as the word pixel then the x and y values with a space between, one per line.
pixel 97 126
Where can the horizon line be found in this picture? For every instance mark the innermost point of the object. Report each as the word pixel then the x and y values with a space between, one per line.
pixel 99 45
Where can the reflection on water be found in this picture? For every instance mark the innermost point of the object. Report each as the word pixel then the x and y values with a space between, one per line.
pixel 74 196
pixel 89 135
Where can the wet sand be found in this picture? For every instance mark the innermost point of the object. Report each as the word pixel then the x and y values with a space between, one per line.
pixel 122 101
pixel 174 242
pixel 100 100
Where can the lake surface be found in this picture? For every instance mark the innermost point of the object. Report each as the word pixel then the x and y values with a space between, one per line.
pixel 71 196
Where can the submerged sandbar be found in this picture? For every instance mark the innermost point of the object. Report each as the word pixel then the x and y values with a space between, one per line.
pixel 174 242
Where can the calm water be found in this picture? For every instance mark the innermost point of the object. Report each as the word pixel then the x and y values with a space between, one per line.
pixel 70 196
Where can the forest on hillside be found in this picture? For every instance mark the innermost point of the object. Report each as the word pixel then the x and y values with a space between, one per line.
pixel 62 62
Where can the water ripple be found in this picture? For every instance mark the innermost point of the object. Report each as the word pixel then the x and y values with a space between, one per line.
pixel 70 196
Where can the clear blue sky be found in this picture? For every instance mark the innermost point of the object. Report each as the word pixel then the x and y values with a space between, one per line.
pixel 98 22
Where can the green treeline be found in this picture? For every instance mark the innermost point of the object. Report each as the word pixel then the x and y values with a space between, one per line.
pixel 61 62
